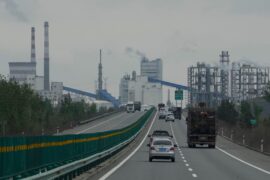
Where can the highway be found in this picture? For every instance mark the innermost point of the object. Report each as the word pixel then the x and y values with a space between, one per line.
pixel 227 161
pixel 115 121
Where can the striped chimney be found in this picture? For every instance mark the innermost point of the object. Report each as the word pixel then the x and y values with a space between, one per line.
pixel 46 57
pixel 33 46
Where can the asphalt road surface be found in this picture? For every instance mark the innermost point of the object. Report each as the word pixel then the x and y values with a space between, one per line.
pixel 115 121
pixel 227 161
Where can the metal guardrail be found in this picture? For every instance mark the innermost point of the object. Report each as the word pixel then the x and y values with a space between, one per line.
pixel 69 168
pixel 259 149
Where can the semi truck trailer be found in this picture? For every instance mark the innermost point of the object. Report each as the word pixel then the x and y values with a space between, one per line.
pixel 201 126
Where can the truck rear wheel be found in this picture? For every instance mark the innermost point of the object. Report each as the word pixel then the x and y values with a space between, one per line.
pixel 191 145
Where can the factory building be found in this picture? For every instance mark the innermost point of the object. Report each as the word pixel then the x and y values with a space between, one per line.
pixel 138 88
pixel 21 71
pixel 55 94
pixel 123 89
pixel 248 81
pixel 25 72
pixel 212 84
pixel 144 91
pixel 152 69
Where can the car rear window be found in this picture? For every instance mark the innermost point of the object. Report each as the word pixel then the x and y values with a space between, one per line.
pixel 162 142
pixel 160 134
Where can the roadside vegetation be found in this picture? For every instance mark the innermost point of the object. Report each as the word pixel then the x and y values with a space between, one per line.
pixel 245 121
pixel 23 112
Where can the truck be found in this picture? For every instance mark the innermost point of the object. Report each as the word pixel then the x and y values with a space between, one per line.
pixel 177 112
pixel 160 106
pixel 130 107
pixel 201 126
pixel 137 106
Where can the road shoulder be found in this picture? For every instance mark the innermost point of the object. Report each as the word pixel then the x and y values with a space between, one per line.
pixel 248 155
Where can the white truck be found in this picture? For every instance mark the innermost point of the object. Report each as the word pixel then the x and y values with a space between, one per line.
pixel 130 107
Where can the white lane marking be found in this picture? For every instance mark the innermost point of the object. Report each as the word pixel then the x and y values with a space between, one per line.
pixel 108 120
pixel 194 175
pixel 242 161
pixel 124 119
pixel 185 161
pixel 190 169
pixel 130 155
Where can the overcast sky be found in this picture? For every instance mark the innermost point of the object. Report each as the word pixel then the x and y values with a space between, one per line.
pixel 181 32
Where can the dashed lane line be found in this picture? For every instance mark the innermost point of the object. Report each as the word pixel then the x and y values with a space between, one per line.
pixel 182 155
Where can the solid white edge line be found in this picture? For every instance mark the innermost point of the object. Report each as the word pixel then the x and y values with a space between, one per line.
pixel 242 161
pixel 173 135
pixel 105 176
pixel 91 127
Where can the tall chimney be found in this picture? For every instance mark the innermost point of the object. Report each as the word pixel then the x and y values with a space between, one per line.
pixel 33 46
pixel 46 57
pixel 100 72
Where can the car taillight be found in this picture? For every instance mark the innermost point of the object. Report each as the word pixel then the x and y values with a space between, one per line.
pixel 152 148
pixel 172 149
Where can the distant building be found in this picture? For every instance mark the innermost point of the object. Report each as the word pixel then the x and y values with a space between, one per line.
pixel 39 83
pixel 25 72
pixel 144 91
pixel 152 69
pixel 55 95
pixel 102 104
pixel 123 89
pixel 22 71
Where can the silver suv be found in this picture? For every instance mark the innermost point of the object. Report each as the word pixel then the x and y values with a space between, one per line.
pixel 162 148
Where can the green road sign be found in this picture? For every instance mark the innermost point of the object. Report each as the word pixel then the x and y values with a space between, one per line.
pixel 178 94
pixel 253 121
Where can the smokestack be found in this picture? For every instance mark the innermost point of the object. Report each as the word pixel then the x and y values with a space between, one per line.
pixel 33 46
pixel 100 72
pixel 46 57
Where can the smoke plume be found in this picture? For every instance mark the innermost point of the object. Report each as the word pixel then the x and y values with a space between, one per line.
pixel 13 9
pixel 133 52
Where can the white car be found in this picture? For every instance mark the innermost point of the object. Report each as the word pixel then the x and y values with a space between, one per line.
pixel 162 114
pixel 170 117
pixel 162 148
pixel 145 107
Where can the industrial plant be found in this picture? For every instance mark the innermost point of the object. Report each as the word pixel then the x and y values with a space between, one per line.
pixel 139 88
pixel 236 82
pixel 26 73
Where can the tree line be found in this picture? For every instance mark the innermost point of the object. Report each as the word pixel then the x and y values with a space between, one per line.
pixel 243 112
pixel 23 111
